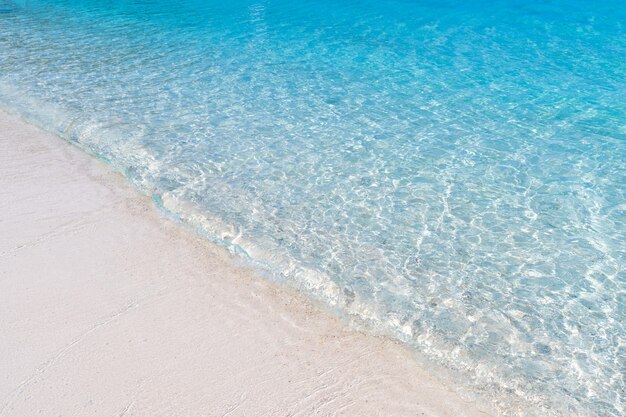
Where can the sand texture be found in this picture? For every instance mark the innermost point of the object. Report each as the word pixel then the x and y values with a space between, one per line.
pixel 109 309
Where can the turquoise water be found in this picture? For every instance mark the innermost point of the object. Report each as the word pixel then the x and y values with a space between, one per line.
pixel 448 173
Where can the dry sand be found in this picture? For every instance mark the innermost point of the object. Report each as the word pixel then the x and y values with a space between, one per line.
pixel 108 309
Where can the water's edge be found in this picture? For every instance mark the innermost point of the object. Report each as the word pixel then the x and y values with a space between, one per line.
pixel 494 399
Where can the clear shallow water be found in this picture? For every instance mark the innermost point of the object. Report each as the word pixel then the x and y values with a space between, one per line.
pixel 449 173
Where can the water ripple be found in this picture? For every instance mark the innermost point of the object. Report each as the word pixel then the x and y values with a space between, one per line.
pixel 451 175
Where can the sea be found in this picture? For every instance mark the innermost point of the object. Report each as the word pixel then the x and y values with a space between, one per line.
pixel 450 174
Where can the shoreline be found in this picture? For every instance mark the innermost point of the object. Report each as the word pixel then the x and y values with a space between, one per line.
pixel 135 315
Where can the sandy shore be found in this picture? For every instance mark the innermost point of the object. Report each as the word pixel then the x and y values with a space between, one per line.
pixel 108 309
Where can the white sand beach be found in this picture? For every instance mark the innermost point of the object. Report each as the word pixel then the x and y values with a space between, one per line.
pixel 109 309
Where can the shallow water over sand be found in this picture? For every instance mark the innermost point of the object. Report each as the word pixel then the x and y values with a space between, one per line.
pixel 452 175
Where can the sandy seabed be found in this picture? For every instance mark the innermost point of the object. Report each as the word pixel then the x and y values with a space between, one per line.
pixel 109 309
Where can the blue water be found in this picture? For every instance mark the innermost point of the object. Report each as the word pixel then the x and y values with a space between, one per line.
pixel 449 173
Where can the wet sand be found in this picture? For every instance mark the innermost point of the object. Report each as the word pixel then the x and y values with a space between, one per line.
pixel 109 309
